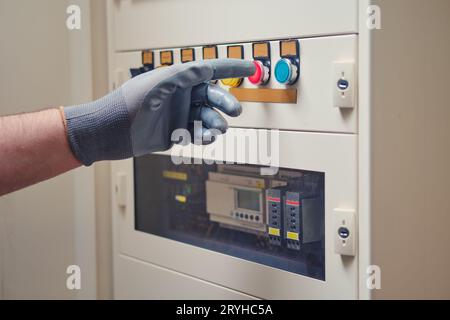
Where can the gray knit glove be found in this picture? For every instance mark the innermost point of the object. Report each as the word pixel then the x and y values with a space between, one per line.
pixel 140 116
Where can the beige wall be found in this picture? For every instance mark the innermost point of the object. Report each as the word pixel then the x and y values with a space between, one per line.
pixel 410 149
pixel 47 227
pixel 102 169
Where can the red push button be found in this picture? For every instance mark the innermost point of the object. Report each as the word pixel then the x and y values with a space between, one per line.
pixel 261 75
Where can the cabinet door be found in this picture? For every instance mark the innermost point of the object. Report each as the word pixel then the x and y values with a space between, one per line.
pixel 334 155
pixel 162 24
pixel 136 279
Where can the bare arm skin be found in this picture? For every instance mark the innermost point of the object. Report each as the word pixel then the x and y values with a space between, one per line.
pixel 33 148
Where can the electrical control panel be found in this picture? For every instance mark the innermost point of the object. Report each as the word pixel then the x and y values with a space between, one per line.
pixel 323 83
pixel 295 86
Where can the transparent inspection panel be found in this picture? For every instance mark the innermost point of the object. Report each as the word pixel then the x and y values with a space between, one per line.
pixel 277 221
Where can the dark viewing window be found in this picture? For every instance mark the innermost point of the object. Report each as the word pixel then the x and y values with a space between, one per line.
pixel 277 221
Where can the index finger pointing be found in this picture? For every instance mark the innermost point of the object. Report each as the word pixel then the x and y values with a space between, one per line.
pixel 231 68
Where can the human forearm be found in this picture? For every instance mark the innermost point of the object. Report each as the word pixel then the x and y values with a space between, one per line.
pixel 33 148
pixel 136 119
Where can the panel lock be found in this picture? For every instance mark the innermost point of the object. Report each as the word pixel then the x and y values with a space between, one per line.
pixel 344 84
pixel 344 232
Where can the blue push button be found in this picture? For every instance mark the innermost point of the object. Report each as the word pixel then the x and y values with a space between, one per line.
pixel 283 72
pixel 286 71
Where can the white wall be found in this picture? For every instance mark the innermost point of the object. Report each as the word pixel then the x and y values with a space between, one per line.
pixel 47 227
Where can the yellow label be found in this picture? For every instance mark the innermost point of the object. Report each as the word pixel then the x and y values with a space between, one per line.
pixel 260 184
pixel 175 175
pixel 274 232
pixel 261 50
pixel 180 198
pixel 209 52
pixel 147 57
pixel 289 48
pixel 292 236
pixel 235 52
pixel 187 55
pixel 266 95
pixel 166 57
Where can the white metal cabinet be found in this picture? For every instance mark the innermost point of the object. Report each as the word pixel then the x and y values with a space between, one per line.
pixel 327 32
pixel 142 280
pixel 399 135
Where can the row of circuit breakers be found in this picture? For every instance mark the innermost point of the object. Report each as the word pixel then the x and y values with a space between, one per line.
pixel 290 215
pixel 287 68
pixel 289 212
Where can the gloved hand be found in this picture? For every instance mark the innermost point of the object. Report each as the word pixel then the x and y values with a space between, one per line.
pixel 139 117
